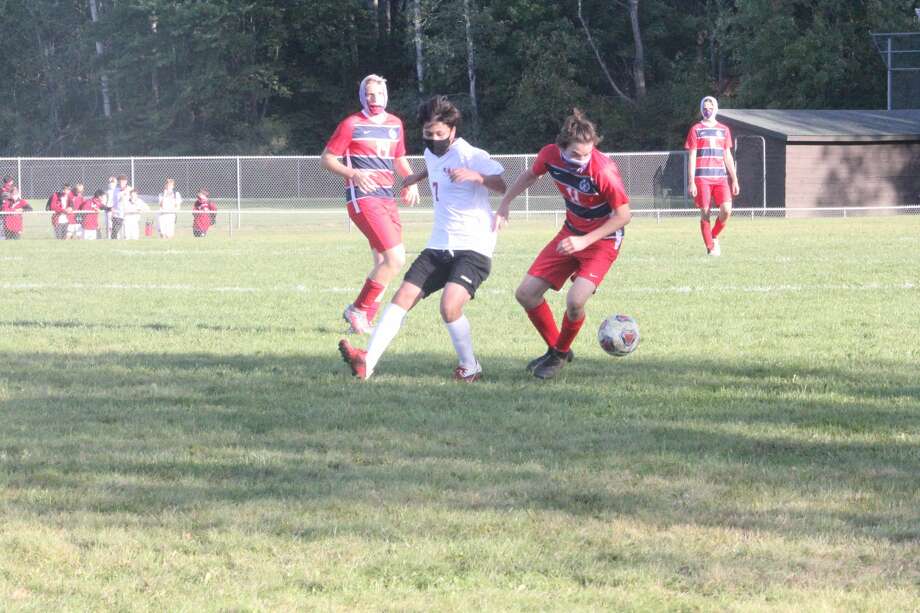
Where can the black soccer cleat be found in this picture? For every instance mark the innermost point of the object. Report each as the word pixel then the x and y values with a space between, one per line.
pixel 532 365
pixel 553 362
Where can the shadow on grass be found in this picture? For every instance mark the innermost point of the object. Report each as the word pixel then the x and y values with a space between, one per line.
pixel 805 450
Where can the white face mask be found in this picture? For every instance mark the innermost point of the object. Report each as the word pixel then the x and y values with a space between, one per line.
pixel 580 164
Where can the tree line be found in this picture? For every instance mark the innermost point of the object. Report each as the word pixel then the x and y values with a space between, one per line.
pixel 224 77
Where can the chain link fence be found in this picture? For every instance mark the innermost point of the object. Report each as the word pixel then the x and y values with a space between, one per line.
pixel 653 180
pixel 281 193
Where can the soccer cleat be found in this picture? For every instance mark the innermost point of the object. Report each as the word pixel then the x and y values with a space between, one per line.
pixel 552 364
pixel 357 319
pixel 716 251
pixel 355 358
pixel 468 375
pixel 532 365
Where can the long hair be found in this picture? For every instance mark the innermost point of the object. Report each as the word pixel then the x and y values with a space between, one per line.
pixel 577 129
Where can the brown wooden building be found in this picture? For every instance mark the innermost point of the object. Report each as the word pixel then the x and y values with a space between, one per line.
pixel 826 158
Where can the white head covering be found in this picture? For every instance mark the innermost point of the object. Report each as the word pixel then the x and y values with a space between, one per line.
pixel 362 93
pixel 715 106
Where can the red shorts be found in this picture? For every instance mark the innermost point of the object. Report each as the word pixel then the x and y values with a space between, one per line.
pixel 378 220
pixel 591 263
pixel 706 191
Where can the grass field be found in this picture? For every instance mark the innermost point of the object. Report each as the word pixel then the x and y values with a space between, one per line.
pixel 179 433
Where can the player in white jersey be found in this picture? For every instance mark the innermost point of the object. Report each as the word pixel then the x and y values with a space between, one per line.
pixel 458 256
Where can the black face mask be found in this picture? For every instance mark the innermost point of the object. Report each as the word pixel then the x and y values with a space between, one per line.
pixel 437 147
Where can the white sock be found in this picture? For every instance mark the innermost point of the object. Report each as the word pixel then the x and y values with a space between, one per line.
pixel 462 337
pixel 388 326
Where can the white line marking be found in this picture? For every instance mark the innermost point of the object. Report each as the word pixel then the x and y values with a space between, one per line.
pixel 755 289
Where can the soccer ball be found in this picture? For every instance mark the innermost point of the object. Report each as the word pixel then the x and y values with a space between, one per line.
pixel 619 335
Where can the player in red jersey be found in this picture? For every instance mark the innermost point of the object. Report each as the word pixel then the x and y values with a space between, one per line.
pixel 710 145
pixel 13 205
pixel 597 210
pixel 372 146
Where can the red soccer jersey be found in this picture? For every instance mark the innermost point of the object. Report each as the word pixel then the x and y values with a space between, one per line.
pixel 710 143
pixel 369 145
pixel 13 223
pixel 90 221
pixel 202 221
pixel 591 194
pixel 59 206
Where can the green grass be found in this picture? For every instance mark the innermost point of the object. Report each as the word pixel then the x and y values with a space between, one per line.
pixel 179 433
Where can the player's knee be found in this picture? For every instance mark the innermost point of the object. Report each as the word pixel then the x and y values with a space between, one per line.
pixel 394 259
pixel 575 312
pixel 451 312
pixel 525 297
pixel 726 210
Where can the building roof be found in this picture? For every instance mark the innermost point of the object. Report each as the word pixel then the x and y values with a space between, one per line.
pixel 827 126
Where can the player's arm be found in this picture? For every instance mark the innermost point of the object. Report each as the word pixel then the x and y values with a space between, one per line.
pixel 494 183
pixel 415 178
pixel 730 168
pixel 409 191
pixel 691 172
pixel 520 185
pixel 621 216
pixel 361 178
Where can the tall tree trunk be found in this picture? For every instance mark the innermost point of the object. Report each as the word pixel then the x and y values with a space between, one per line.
pixel 471 66
pixel 597 54
pixel 419 56
pixel 154 78
pixel 374 6
pixel 639 61
pixel 103 78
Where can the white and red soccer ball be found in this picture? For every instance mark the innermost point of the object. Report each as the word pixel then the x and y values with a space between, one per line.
pixel 619 335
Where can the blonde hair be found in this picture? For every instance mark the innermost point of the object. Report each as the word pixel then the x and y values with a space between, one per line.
pixel 577 129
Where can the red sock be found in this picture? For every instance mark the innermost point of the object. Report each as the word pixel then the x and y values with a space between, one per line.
pixel 368 295
pixel 705 228
pixel 569 332
pixel 542 319
pixel 375 306
pixel 717 229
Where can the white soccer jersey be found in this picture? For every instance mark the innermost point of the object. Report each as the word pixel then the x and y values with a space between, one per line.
pixel 462 212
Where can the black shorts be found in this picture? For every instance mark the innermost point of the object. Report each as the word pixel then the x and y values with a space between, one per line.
pixel 434 268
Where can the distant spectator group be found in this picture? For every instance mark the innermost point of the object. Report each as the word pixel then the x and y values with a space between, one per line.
pixel 76 216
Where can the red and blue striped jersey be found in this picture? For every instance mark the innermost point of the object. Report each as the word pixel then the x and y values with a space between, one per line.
pixel 369 145
pixel 591 194
pixel 710 143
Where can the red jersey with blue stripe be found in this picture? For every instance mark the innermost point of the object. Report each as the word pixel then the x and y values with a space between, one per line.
pixel 591 194
pixel 369 145
pixel 710 143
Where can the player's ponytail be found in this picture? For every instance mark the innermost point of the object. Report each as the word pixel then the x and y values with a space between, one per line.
pixel 577 129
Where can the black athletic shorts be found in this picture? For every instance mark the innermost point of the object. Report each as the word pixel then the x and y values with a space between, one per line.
pixel 434 268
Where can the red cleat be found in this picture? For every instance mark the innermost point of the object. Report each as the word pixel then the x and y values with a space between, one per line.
pixel 354 357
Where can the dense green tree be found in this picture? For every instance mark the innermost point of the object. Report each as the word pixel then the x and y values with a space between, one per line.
pixel 107 77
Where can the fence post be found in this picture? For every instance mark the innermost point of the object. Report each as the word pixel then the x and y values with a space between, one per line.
pixel 19 174
pixel 526 193
pixel 686 157
pixel 132 172
pixel 239 204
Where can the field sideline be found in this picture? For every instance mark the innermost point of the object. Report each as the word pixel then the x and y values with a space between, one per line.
pixel 179 432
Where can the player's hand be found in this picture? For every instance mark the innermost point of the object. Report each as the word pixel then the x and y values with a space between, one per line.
pixel 364 181
pixel 571 244
pixel 736 189
pixel 458 175
pixel 499 221
pixel 410 195
pixel 692 187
